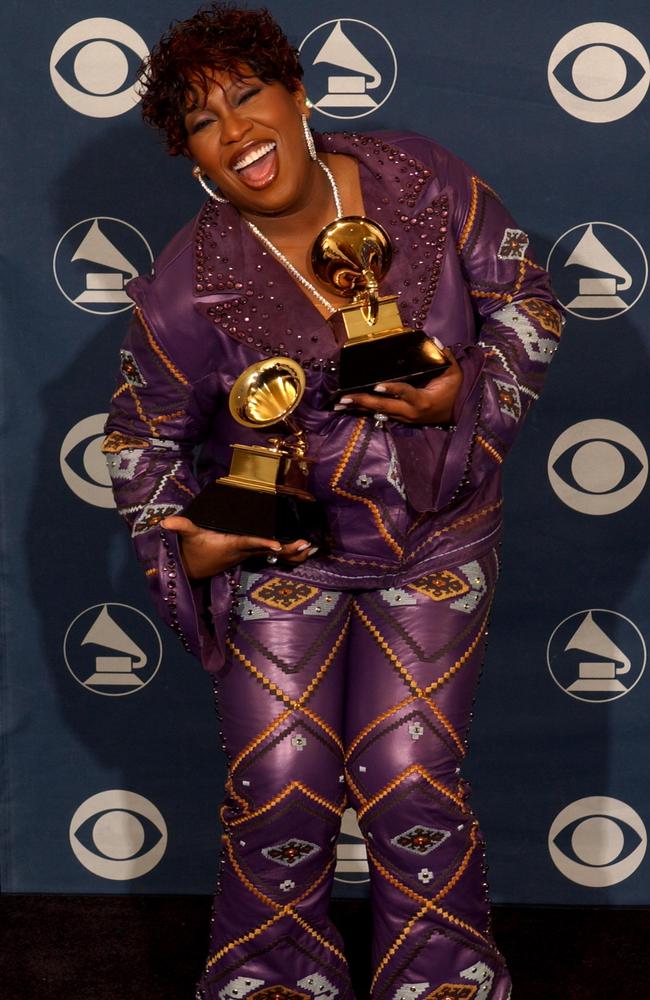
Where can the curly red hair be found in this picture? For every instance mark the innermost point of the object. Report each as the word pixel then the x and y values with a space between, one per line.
pixel 218 37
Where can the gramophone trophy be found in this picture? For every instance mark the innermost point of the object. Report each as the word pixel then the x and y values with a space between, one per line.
pixel 265 493
pixel 352 255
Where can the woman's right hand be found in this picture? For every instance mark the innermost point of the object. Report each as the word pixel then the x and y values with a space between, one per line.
pixel 205 553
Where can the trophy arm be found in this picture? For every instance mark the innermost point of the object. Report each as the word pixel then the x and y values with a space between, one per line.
pixel 278 445
pixel 369 297
pixel 297 447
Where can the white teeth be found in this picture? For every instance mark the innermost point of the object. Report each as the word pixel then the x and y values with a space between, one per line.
pixel 255 154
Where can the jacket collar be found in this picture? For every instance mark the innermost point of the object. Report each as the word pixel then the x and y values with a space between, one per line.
pixel 248 294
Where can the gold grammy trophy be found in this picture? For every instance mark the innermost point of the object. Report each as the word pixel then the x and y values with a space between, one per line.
pixel 352 255
pixel 265 493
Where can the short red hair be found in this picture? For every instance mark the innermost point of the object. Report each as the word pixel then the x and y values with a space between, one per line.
pixel 217 37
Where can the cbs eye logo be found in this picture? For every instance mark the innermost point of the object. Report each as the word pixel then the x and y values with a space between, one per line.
pixel 598 467
pixel 99 55
pixel 597 831
pixel 93 483
pixel 118 835
pixel 590 67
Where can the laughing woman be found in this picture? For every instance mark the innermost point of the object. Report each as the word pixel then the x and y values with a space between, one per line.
pixel 345 674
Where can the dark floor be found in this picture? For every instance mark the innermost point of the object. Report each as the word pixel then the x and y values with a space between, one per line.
pixel 151 948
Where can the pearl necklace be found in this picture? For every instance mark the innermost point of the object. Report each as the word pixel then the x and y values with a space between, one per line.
pixel 293 271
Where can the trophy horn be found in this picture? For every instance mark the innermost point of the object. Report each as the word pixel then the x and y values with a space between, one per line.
pixel 267 392
pixel 352 255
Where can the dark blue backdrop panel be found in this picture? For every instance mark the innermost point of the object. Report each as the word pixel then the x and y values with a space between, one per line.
pixel 111 767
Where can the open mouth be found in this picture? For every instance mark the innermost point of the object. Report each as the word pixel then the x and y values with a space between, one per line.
pixel 257 166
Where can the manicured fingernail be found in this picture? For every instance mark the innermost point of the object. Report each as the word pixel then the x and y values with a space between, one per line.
pixel 301 548
pixel 313 550
pixel 345 400
pixel 275 548
pixel 381 388
pixel 438 343
pixel 339 406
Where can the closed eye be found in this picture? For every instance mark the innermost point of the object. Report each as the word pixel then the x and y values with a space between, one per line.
pixel 200 124
pixel 248 94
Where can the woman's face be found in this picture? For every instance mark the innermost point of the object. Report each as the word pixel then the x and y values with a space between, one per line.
pixel 247 137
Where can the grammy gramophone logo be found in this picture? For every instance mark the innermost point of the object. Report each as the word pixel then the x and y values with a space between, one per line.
pixel 351 855
pixel 599 270
pixel 94 260
pixel 112 649
pixel 351 68
pixel 596 655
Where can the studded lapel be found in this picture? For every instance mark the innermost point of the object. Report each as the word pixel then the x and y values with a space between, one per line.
pixel 249 295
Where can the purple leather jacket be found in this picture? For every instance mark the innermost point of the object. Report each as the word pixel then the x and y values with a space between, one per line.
pixel 400 500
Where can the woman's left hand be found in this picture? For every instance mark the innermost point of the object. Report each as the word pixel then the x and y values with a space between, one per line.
pixel 433 403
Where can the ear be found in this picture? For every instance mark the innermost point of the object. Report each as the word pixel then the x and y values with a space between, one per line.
pixel 300 97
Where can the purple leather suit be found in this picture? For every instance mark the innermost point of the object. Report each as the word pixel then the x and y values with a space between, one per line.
pixel 348 679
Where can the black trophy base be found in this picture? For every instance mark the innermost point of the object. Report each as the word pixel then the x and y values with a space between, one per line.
pixel 283 516
pixel 402 357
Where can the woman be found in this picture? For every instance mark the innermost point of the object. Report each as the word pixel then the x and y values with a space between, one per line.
pixel 345 675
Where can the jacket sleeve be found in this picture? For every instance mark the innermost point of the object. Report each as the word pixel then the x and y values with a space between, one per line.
pixel 158 415
pixel 518 322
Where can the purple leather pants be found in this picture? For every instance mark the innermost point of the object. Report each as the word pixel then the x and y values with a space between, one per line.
pixel 329 698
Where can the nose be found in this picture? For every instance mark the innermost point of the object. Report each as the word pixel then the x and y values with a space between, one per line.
pixel 234 126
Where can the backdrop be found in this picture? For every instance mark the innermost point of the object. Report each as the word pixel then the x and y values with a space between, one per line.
pixel 111 768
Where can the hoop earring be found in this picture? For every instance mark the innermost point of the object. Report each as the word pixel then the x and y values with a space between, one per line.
pixel 197 172
pixel 309 139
